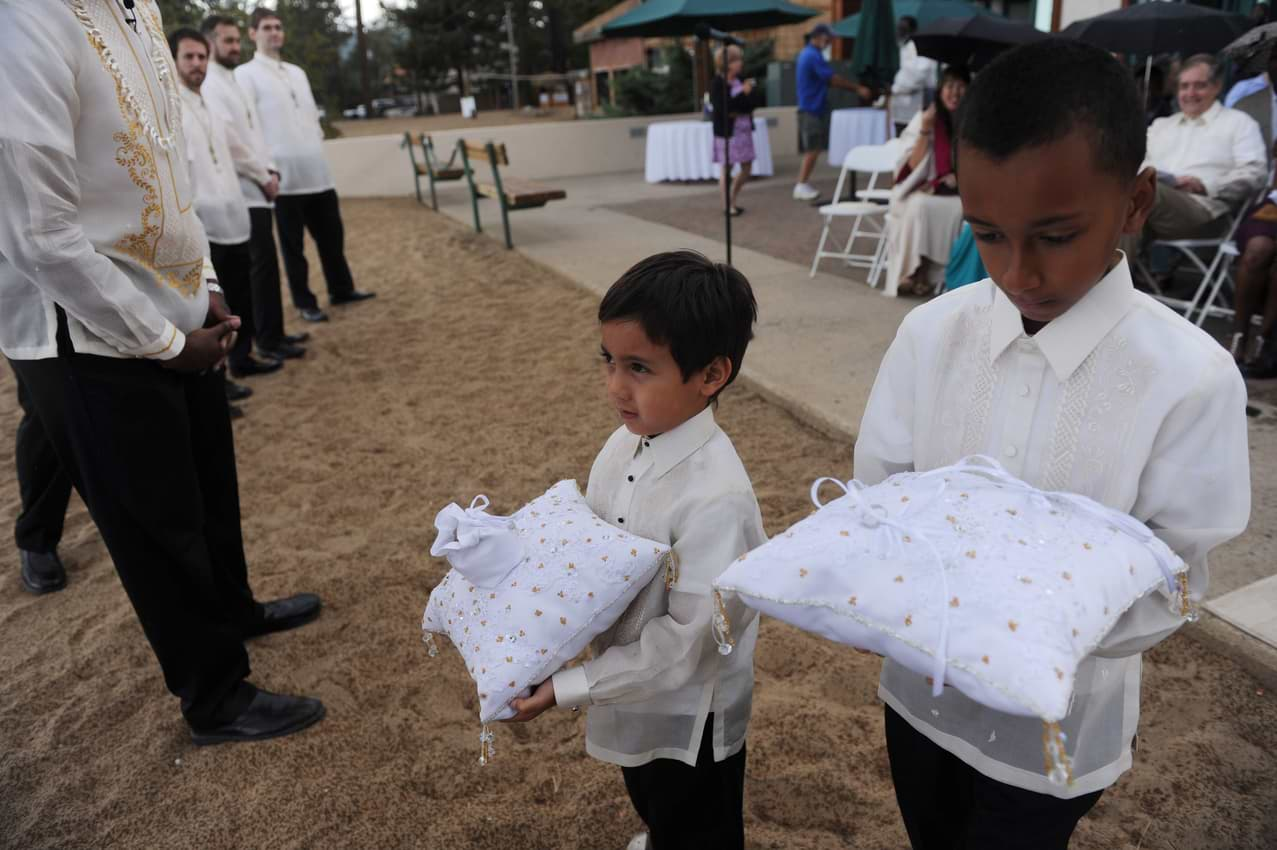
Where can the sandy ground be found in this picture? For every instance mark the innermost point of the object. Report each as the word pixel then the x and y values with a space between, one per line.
pixel 474 372
pixel 452 121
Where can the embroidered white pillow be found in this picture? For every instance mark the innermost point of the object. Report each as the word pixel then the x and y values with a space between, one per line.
pixel 966 575
pixel 528 592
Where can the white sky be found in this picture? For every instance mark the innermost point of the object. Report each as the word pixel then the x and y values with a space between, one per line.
pixel 371 9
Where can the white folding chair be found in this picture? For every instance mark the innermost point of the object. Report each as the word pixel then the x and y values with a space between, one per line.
pixel 868 217
pixel 1222 251
pixel 883 195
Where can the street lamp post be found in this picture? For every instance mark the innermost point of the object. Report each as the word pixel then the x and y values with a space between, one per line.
pixel 362 46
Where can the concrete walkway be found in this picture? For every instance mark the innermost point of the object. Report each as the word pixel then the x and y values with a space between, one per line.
pixel 818 347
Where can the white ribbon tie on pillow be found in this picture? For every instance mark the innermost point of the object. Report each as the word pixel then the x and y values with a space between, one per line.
pixel 482 547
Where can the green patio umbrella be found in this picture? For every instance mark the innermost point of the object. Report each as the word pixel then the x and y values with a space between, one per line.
pixel 671 18
pixel 925 11
pixel 877 56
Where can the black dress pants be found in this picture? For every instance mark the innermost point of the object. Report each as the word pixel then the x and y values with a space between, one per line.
pixel 268 308
pixel 691 808
pixel 947 805
pixel 44 486
pixel 234 267
pixel 320 214
pixel 152 454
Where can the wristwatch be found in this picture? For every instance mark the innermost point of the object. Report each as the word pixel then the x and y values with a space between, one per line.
pixel 213 286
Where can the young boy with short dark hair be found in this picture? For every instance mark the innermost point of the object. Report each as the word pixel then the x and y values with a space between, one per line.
pixel 1074 381
pixel 664 704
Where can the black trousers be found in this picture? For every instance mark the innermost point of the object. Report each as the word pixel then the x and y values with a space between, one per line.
pixel 691 808
pixel 44 486
pixel 320 214
pixel 947 805
pixel 234 267
pixel 151 453
pixel 268 308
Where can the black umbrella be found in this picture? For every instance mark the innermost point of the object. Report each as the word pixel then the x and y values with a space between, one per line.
pixel 972 41
pixel 1151 29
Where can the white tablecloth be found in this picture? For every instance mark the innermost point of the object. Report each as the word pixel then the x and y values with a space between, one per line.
pixel 684 150
pixel 851 128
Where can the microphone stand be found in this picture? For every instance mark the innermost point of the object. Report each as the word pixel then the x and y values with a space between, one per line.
pixel 721 110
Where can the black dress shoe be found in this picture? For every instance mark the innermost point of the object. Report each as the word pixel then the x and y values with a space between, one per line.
pixel 267 716
pixel 1263 369
pixel 295 339
pixel 237 392
pixel 284 614
pixel 252 366
pixel 314 314
pixel 42 572
pixel 351 297
pixel 284 351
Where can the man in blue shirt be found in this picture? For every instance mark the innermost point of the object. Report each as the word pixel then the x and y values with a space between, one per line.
pixel 815 76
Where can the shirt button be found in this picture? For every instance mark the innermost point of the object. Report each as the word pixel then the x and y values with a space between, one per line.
pixel 1010 451
pixel 1025 390
pixel 621 520
pixel 629 478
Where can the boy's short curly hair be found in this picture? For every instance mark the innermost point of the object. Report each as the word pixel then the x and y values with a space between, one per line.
pixel 1037 93
pixel 700 309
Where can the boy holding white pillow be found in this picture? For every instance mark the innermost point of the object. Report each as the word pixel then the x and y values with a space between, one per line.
pixel 1075 381
pixel 665 705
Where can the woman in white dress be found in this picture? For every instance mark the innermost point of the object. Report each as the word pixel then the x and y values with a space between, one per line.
pixel 926 213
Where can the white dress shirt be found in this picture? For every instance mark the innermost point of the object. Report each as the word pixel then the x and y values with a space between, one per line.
pixel 238 112
pixel 1120 399
pixel 97 213
pixel 916 75
pixel 1222 147
pixel 218 200
pixel 657 674
pixel 290 123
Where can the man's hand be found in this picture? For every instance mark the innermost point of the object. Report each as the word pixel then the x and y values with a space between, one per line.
pixel 1190 184
pixel 205 348
pixel 866 93
pixel 748 86
pixel 542 700
pixel 218 312
pixel 271 188
pixel 949 181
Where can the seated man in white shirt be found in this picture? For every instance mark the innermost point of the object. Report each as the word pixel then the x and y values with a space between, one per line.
pixel 917 76
pixel 1210 160
pixel 665 705
pixel 1076 382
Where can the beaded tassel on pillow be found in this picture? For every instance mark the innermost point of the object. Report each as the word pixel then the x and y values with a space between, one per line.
pixel 722 627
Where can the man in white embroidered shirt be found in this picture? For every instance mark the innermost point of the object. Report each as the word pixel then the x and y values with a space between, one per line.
pixel 258 182
pixel 307 199
pixel 665 705
pixel 110 315
pixel 1058 367
pixel 218 202
pixel 1210 160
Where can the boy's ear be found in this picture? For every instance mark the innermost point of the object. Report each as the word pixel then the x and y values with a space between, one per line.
pixel 715 376
pixel 1143 195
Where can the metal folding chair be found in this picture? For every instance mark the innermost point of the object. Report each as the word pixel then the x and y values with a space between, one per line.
pixel 868 217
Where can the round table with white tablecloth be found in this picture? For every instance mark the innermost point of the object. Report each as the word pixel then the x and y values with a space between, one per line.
pixel 851 128
pixel 684 150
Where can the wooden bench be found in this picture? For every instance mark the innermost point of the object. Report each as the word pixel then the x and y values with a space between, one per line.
pixel 429 167
pixel 511 193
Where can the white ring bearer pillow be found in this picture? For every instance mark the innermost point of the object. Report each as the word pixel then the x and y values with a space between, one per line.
pixel 965 575
pixel 528 592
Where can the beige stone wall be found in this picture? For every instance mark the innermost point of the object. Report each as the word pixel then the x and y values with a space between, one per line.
pixel 375 166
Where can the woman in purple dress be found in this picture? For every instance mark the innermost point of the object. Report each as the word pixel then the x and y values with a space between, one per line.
pixel 739 112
